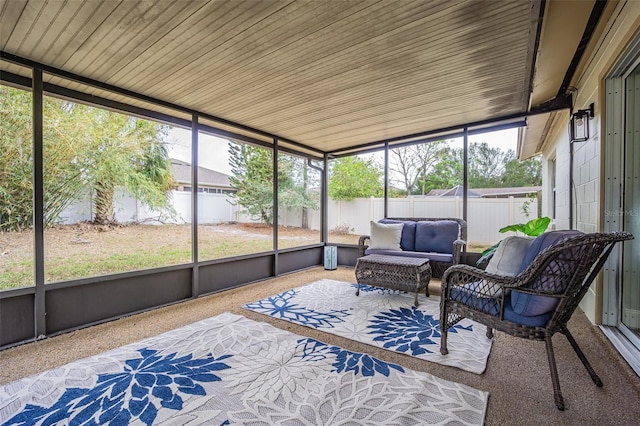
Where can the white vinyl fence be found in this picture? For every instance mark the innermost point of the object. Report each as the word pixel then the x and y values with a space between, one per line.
pixel 485 215
pixel 212 209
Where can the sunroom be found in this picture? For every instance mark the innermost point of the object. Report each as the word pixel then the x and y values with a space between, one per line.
pixel 278 98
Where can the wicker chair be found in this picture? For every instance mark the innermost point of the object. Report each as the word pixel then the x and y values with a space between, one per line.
pixel 560 274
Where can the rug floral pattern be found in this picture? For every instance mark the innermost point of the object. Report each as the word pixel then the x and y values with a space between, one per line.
pixel 231 370
pixel 383 318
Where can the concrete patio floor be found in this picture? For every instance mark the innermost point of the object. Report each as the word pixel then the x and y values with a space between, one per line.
pixel 517 375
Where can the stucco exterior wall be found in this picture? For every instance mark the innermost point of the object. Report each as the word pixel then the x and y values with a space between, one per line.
pixel 588 209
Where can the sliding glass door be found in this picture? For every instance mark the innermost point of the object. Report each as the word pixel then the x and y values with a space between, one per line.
pixel 629 315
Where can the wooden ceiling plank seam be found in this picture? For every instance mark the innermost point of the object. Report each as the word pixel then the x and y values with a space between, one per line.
pixel 89 47
pixel 389 92
pixel 346 115
pixel 90 15
pixel 440 128
pixel 114 35
pixel 230 50
pixel 363 136
pixel 268 95
pixel 364 132
pixel 220 16
pixel 330 88
pixel 386 134
pixel 414 83
pixel 138 33
pixel 50 13
pixel 24 26
pixel 155 38
pixel 385 91
pixel 402 37
pixel 190 50
pixel 10 12
pixel 414 119
pixel 185 38
pixel 237 58
pixel 347 53
pixel 417 80
pixel 236 51
pixel 57 28
pixel 351 144
pixel 324 40
pixel 15 69
pixel 405 118
pixel 212 83
pixel 370 114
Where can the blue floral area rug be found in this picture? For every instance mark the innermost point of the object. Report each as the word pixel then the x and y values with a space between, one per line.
pixel 383 318
pixel 231 370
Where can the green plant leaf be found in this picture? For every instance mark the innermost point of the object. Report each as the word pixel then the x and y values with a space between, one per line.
pixel 487 254
pixel 518 227
pixel 533 228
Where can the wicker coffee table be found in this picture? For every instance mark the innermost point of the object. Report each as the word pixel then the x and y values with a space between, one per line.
pixel 394 272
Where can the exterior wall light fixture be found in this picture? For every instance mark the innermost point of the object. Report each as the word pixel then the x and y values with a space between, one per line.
pixel 579 126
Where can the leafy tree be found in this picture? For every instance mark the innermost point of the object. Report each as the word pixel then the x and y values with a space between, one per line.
pixel 252 177
pixel 409 165
pixel 522 173
pixel 84 148
pixel 486 166
pixel 355 177
pixel 295 187
pixel 122 151
pixel 16 187
pixel 446 172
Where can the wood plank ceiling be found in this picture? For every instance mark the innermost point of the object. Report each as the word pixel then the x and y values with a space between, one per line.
pixel 329 74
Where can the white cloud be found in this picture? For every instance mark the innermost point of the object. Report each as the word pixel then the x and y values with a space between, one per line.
pixel 213 152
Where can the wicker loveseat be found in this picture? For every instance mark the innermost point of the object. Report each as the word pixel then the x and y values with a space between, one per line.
pixel 441 240
pixel 555 272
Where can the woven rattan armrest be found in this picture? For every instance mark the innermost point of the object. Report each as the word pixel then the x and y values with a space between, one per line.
pixel 458 249
pixel 362 244
pixel 490 285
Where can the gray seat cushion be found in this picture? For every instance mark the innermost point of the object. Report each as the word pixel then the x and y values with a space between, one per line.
pixel 533 305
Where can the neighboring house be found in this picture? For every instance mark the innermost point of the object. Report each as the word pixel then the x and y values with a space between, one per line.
pixel 209 180
pixel 592 185
pixel 458 191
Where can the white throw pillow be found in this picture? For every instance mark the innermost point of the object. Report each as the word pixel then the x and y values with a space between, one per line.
pixel 508 257
pixel 385 236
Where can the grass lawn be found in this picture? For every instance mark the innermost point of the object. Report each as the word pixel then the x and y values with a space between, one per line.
pixel 83 250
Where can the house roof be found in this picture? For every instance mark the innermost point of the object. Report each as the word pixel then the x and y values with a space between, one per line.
pixel 458 191
pixel 327 74
pixel 181 172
